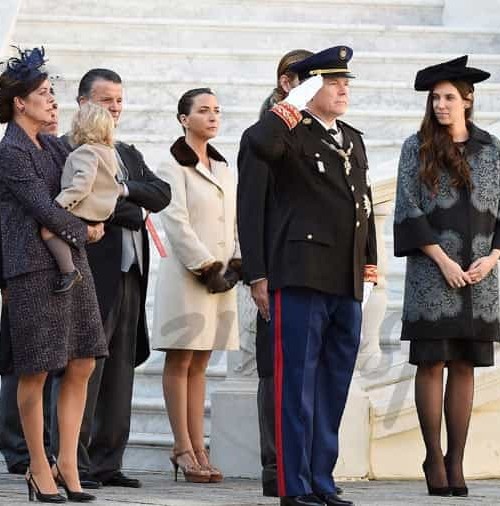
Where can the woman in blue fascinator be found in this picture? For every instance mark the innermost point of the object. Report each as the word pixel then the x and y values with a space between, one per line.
pixel 49 333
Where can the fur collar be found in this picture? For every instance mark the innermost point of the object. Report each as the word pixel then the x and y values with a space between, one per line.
pixel 187 157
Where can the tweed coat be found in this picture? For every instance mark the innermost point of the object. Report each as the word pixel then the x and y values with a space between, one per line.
pixel 200 225
pixel 46 330
pixel 323 234
pixel 88 183
pixel 465 223
pixel 27 200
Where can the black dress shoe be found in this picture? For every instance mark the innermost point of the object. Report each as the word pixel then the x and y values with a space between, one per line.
pixel 120 480
pixel 334 500
pixel 19 468
pixel 89 482
pixel 269 490
pixel 301 500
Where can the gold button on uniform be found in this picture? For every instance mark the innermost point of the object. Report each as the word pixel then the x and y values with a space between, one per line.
pixel 358 224
pixel 309 236
pixel 357 205
pixel 352 188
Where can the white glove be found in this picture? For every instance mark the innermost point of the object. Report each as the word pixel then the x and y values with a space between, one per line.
pixel 367 290
pixel 301 94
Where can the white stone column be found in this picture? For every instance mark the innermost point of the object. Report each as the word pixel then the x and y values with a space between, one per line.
pixel 234 437
pixel 369 356
pixel 467 14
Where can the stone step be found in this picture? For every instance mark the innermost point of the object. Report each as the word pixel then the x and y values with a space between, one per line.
pixel 166 32
pixel 175 63
pixel 150 452
pixel 389 12
pixel 252 92
pixel 387 124
pixel 148 378
pixel 149 415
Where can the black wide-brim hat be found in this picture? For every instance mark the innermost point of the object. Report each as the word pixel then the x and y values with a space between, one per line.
pixel 453 70
pixel 329 62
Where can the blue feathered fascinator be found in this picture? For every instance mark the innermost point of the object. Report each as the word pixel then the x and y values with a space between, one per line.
pixel 28 65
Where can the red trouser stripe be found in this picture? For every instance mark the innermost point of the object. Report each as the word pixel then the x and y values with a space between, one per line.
pixel 278 393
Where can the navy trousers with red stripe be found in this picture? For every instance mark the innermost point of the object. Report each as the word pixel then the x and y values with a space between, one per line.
pixel 316 342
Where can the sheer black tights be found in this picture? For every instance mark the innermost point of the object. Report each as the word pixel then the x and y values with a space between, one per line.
pixel 458 399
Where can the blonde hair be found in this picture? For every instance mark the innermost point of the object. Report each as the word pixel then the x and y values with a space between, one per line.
pixel 92 124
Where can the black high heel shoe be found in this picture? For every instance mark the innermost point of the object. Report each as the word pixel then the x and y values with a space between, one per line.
pixel 34 491
pixel 455 491
pixel 440 491
pixel 72 495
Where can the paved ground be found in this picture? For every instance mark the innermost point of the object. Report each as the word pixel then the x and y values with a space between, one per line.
pixel 161 490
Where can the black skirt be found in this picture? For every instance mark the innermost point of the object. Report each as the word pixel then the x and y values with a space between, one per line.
pixel 479 353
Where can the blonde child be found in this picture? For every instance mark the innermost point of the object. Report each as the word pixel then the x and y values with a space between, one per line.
pixel 89 188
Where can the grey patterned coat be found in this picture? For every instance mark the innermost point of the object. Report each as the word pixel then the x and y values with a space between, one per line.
pixel 465 223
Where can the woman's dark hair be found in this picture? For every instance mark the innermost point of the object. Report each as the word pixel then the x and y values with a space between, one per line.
pixel 284 69
pixel 438 152
pixel 11 88
pixel 185 103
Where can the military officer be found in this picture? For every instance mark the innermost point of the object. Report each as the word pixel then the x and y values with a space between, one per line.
pixel 323 248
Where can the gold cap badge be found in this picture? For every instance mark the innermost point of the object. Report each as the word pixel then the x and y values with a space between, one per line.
pixel 343 53
pixel 307 121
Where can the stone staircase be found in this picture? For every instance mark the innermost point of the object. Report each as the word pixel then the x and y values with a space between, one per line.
pixel 163 47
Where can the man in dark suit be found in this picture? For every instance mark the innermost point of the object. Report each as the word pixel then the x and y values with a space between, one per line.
pixel 321 251
pixel 120 265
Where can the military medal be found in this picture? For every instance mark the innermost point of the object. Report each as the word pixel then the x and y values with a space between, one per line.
pixel 343 154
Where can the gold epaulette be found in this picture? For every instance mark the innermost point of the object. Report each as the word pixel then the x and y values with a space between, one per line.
pixel 288 113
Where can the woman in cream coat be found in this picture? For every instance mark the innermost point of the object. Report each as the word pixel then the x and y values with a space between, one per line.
pixel 195 305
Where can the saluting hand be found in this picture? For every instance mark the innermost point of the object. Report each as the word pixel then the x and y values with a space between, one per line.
pixel 304 92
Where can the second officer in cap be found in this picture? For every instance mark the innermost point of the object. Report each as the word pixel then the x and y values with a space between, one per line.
pixel 322 251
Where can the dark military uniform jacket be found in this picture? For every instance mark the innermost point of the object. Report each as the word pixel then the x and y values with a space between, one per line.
pixel 323 228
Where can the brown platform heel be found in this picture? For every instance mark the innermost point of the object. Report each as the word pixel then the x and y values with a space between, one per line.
pixel 215 475
pixel 192 472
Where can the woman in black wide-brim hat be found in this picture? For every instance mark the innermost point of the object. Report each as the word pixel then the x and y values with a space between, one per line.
pixel 48 332
pixel 447 225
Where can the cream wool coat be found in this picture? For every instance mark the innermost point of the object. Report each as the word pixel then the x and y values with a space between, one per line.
pixel 200 226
